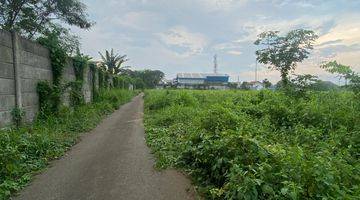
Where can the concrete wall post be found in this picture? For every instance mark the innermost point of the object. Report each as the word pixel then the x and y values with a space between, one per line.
pixel 16 63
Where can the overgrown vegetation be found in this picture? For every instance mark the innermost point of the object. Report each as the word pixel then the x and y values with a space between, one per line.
pixel 27 150
pixel 17 115
pixel 258 145
pixel 49 98
pixel 80 63
pixel 50 93
pixel 58 53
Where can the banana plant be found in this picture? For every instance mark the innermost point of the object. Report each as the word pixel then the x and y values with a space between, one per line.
pixel 113 62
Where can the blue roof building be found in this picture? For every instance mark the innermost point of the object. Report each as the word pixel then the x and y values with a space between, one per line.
pixel 195 79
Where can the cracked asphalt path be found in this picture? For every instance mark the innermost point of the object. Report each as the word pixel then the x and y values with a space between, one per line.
pixel 111 162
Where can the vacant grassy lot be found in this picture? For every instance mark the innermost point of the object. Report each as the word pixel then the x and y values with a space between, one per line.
pixel 259 145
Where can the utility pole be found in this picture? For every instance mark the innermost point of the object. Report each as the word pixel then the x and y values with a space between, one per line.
pixel 215 64
pixel 238 81
pixel 256 71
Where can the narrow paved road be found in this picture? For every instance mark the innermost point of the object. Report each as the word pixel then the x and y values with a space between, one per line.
pixel 111 162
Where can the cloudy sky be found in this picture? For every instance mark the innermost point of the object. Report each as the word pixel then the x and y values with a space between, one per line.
pixel 183 35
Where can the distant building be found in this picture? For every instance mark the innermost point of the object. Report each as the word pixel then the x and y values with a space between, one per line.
pixel 256 85
pixel 202 80
pixel 164 84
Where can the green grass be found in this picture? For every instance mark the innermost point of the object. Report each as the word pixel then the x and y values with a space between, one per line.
pixel 258 145
pixel 29 149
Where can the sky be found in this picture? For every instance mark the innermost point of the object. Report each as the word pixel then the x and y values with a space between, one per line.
pixel 183 35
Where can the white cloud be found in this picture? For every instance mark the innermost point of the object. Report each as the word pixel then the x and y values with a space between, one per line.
pixel 253 28
pixel 298 3
pixel 214 5
pixel 349 58
pixel 226 46
pixel 233 52
pixel 343 40
pixel 98 39
pixel 346 30
pixel 181 37
pixel 137 20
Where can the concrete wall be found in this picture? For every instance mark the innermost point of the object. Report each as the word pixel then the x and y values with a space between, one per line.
pixel 23 63
pixel 7 82
pixel 34 66
pixel 87 86
pixel 68 76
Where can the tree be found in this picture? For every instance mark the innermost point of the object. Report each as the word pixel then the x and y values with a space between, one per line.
pixel 267 84
pixel 152 78
pixel 283 53
pixel 139 83
pixel 233 86
pixel 304 82
pixel 70 43
pixel 113 62
pixel 32 17
pixel 345 72
pixel 245 85
pixel 149 78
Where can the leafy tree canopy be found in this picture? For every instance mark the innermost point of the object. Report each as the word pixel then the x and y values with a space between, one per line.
pixel 32 17
pixel 68 42
pixel 341 70
pixel 112 62
pixel 150 78
pixel 304 82
pixel 283 53
pixel 266 83
pixel 346 72
pixel 245 85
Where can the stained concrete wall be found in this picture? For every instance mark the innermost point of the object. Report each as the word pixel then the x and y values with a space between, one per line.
pixel 87 86
pixel 7 82
pixel 33 64
pixel 68 76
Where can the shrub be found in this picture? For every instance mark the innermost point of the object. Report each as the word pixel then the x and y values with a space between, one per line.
pixel 258 145
pixel 218 118
pixel 17 116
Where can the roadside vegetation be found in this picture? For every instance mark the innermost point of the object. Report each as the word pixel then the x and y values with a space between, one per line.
pixel 300 141
pixel 28 149
pixel 258 144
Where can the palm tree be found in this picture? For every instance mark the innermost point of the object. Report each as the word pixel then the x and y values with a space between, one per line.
pixel 113 62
